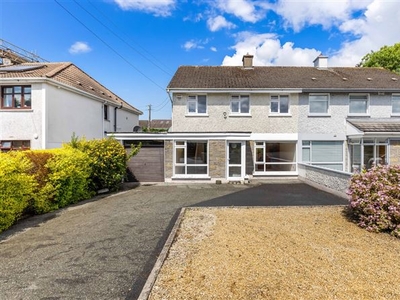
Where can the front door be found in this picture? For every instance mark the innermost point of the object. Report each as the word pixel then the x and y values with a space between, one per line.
pixel 236 159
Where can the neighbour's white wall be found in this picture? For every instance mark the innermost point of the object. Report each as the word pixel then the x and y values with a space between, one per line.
pixel 19 124
pixel 219 118
pixel 126 120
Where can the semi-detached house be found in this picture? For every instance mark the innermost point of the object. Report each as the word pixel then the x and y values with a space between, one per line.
pixel 231 123
pixel 44 104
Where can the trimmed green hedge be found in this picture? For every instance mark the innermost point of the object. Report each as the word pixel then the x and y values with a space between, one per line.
pixel 16 187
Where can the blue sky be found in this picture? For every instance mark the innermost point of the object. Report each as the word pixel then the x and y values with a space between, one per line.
pixel 133 47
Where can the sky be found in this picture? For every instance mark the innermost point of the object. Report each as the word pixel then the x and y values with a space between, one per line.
pixel 133 47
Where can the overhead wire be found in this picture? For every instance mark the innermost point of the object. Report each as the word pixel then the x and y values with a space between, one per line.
pixel 166 70
pixel 111 48
pixel 120 38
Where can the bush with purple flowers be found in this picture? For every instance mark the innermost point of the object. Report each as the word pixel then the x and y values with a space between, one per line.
pixel 375 199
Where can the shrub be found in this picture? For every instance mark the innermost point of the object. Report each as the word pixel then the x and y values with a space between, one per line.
pixel 375 199
pixel 107 160
pixel 16 187
pixel 63 179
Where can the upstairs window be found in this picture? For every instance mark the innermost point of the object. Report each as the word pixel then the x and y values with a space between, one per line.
pixel 318 104
pixel 16 97
pixel 240 104
pixel 396 104
pixel 197 104
pixel 105 108
pixel 358 104
pixel 279 104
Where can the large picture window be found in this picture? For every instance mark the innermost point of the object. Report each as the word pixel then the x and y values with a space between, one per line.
pixel 240 104
pixel 191 158
pixel 279 104
pixel 17 97
pixel 319 104
pixel 275 157
pixel 327 154
pixel 197 104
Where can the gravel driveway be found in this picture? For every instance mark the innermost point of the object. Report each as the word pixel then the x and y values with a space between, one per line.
pixel 105 248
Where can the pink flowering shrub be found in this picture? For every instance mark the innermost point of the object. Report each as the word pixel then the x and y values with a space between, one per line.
pixel 375 199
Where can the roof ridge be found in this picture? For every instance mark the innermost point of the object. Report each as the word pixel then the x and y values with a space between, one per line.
pixel 63 66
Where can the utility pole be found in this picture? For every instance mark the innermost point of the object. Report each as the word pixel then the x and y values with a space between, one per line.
pixel 149 122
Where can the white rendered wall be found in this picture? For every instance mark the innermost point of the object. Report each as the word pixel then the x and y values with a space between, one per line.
pixel 19 124
pixel 219 118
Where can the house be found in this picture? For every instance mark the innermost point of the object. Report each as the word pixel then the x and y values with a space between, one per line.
pixel 231 123
pixel 157 124
pixel 44 104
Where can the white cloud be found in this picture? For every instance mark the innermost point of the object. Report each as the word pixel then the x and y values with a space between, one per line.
pixel 157 7
pixel 79 47
pixel 267 50
pixel 193 44
pixel 213 49
pixel 299 13
pixel 219 22
pixel 369 31
pixel 246 10
pixel 374 29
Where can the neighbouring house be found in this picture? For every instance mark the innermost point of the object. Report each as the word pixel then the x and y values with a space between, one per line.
pixel 44 104
pixel 156 124
pixel 232 123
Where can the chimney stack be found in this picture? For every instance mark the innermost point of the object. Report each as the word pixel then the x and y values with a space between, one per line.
pixel 247 61
pixel 321 62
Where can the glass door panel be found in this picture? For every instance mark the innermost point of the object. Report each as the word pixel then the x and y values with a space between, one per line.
pixel 235 167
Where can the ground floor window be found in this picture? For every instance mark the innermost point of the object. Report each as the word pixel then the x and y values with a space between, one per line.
pixel 14 145
pixel 191 158
pixel 275 157
pixel 327 154
pixel 365 153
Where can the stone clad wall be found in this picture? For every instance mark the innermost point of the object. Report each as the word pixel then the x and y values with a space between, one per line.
pixel 336 182
pixel 168 158
pixel 217 156
pixel 394 152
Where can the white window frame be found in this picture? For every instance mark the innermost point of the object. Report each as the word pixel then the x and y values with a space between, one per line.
pixel 262 145
pixel 194 99
pixel 277 99
pixel 238 99
pixel 395 97
pixel 327 113
pixel 366 113
pixel 308 144
pixel 182 144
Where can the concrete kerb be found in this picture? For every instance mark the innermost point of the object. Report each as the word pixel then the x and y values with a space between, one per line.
pixel 148 286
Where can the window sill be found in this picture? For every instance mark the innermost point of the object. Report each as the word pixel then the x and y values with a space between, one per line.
pixel 359 115
pixel 16 109
pixel 395 115
pixel 319 115
pixel 280 115
pixel 186 177
pixel 239 115
pixel 197 115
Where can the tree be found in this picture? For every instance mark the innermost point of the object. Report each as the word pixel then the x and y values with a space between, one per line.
pixel 387 57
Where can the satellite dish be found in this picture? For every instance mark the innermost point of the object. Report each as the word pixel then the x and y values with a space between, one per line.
pixel 137 129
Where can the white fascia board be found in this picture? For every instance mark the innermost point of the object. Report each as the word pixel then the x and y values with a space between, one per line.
pixel 274 136
pixel 180 136
pixel 353 131
pixel 233 90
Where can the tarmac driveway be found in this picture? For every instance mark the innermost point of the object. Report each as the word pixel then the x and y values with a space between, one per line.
pixel 105 248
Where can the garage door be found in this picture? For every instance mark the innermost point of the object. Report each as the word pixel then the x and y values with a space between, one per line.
pixel 148 165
